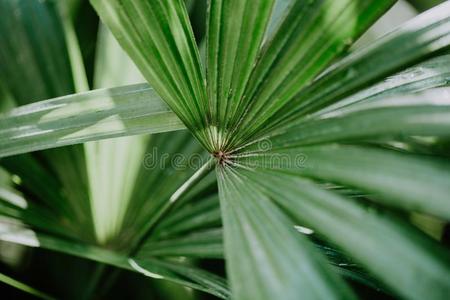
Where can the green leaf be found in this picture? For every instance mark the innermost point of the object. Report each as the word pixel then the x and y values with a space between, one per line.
pixel 392 178
pixel 266 258
pixel 88 116
pixel 311 36
pixel 424 114
pixel 235 32
pixel 113 67
pixel 404 259
pixel 202 244
pixel 14 205
pixel 151 267
pixel 33 51
pixel 205 281
pixel 67 11
pixel 23 287
pixel 35 177
pixel 171 160
pixel 158 38
pixel 205 213
pixel 36 65
pixel 422 5
pixel 279 11
pixel 112 164
pixel 7 102
pixel 411 42
pixel 429 74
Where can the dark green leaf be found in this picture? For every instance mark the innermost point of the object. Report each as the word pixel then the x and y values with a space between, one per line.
pixel 203 244
pixel 23 287
pixel 404 259
pixel 235 32
pixel 411 182
pixel 266 258
pixel 154 268
pixel 311 36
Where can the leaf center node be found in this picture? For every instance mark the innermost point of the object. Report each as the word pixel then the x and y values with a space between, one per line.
pixel 222 157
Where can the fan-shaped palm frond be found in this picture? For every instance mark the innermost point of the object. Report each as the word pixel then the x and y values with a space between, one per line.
pixel 294 153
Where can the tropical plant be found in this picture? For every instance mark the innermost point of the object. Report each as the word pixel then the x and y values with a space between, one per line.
pixel 309 166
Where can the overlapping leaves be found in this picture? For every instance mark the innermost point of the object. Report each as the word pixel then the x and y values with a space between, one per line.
pixel 245 105
pixel 273 98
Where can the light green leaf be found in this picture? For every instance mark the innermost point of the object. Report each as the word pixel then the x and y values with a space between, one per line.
pixel 235 32
pixel 312 34
pixel 266 258
pixel 279 11
pixel 425 114
pixel 88 116
pixel 404 259
pixel 67 10
pixel 430 74
pixel 112 164
pixel 158 38
pixel 113 67
pixel 412 41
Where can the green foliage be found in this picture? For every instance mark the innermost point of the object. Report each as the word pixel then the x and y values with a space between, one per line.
pixel 310 158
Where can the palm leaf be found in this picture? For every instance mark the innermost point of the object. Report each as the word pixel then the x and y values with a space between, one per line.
pixel 273 97
pixel 113 164
pixel 40 46
pixel 204 213
pixel 265 256
pixel 365 233
pixel 23 287
pixel 390 177
pixel 422 5
pixel 64 211
pixel 421 114
pixel 310 37
pixel 45 57
pixel 149 30
pixel 411 42
pixel 83 117
pixel 202 280
pixel 429 74
pixel 231 56
pixel 203 244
